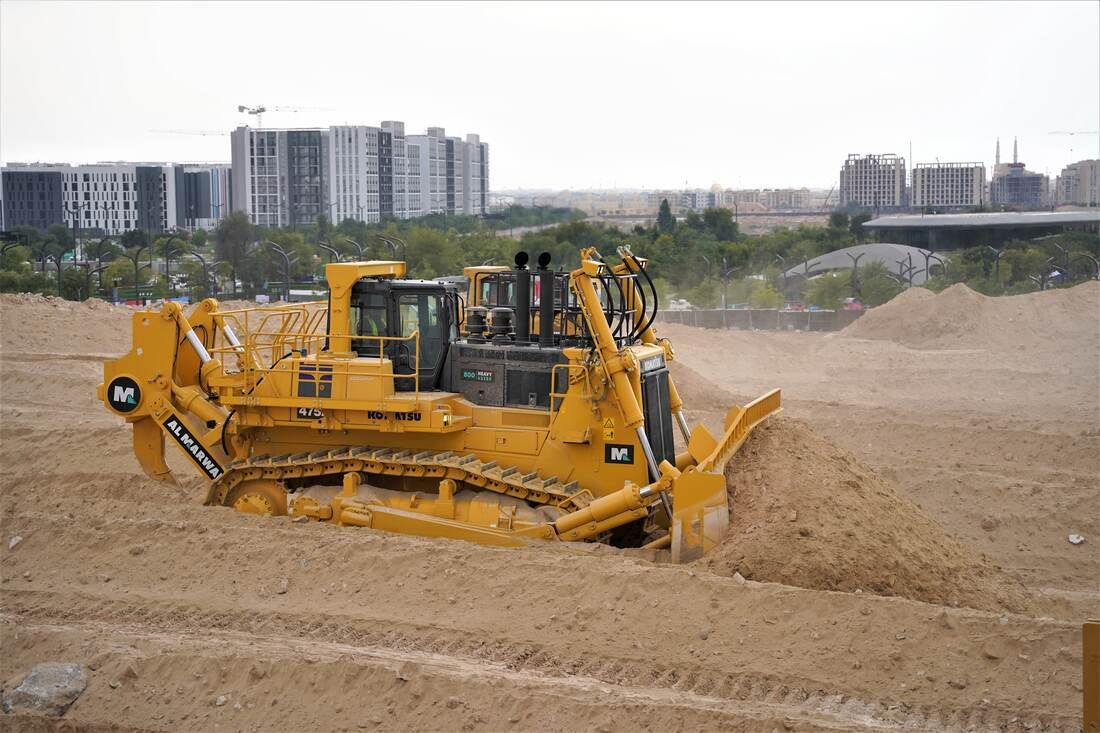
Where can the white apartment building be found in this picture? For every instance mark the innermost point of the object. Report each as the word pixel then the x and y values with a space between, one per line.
pixel 290 177
pixel 369 173
pixel 454 173
pixel 432 148
pixel 948 185
pixel 100 199
pixel 1079 184
pixel 475 176
pixel 874 181
pixel 280 177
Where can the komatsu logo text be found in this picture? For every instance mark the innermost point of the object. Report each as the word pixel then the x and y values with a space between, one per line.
pixel 192 447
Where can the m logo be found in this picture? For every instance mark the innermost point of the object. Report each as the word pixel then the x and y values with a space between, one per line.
pixel 123 394
pixel 615 453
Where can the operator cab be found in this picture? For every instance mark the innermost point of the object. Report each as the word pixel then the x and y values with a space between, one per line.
pixel 386 313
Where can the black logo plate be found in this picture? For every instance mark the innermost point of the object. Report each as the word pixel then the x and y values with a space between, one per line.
pixel 618 453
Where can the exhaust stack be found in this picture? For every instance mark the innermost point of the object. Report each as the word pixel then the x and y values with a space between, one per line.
pixel 546 301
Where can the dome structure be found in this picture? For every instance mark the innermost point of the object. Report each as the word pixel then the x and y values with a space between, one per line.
pixel 899 259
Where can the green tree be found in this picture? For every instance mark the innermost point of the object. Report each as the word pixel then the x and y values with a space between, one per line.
pixel 231 242
pixel 855 225
pixel 720 223
pixel 876 286
pixel 665 221
pixel 766 296
pixel 828 290
pixel 694 221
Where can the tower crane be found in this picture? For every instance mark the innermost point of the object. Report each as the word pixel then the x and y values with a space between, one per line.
pixel 203 133
pixel 1071 134
pixel 259 110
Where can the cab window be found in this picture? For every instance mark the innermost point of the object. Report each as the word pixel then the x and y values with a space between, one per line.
pixel 369 319
pixel 421 312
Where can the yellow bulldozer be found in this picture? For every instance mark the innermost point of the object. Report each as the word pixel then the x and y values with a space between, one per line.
pixel 532 405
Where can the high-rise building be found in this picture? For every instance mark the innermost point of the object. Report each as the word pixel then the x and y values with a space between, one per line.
pixel 203 194
pixel 1079 184
pixel 369 173
pixel 475 176
pixel 454 173
pixel 874 181
pixel 113 198
pixel 948 184
pixel 1014 185
pixel 289 177
pixel 280 177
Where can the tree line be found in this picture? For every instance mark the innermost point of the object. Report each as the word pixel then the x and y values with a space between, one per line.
pixel 703 258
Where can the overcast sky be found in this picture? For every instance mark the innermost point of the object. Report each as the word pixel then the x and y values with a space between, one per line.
pixel 567 95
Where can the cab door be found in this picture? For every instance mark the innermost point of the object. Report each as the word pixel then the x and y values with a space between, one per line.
pixel 424 311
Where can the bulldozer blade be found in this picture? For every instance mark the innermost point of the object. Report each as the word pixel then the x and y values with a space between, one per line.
pixel 700 514
pixel 700 507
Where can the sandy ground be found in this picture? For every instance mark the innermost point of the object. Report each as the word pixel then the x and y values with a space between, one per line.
pixel 902 530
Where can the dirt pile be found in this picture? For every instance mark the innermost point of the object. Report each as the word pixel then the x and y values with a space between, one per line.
pixel 958 317
pixel 47 324
pixel 806 513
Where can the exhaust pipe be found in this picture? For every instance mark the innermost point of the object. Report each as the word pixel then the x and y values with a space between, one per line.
pixel 523 299
pixel 546 301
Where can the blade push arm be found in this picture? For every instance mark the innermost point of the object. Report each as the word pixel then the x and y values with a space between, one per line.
pixel 141 388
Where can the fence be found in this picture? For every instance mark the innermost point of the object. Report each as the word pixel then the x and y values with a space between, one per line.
pixel 761 319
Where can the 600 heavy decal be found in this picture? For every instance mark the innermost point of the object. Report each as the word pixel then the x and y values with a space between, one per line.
pixel 192 447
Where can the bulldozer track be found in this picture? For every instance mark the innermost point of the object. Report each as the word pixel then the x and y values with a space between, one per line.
pixel 466 468
pixel 697 686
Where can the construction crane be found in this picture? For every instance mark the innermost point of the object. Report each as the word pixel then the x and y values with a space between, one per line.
pixel 203 133
pixel 1072 133
pixel 259 110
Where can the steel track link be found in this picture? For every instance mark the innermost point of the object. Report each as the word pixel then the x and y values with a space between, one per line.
pixel 797 694
pixel 389 462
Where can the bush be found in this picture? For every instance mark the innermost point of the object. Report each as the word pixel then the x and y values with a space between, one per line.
pixel 829 290
pixel 16 281
pixel 766 296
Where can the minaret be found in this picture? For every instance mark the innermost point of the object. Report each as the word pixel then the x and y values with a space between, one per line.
pixel 998 158
pixel 1015 158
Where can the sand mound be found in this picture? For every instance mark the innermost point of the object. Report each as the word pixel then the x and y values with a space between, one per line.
pixel 961 318
pixel 50 325
pixel 808 514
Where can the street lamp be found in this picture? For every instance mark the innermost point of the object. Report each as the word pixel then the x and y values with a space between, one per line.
pixel 726 272
pixel 332 252
pixel 75 211
pixel 57 258
pixel 286 262
pixel 136 259
pixel 357 246
pixel 855 271
pixel 997 255
pixel 168 252
pixel 99 247
pixel 393 242
pixel 206 272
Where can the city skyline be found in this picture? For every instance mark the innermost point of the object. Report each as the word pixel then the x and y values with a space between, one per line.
pixel 749 96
